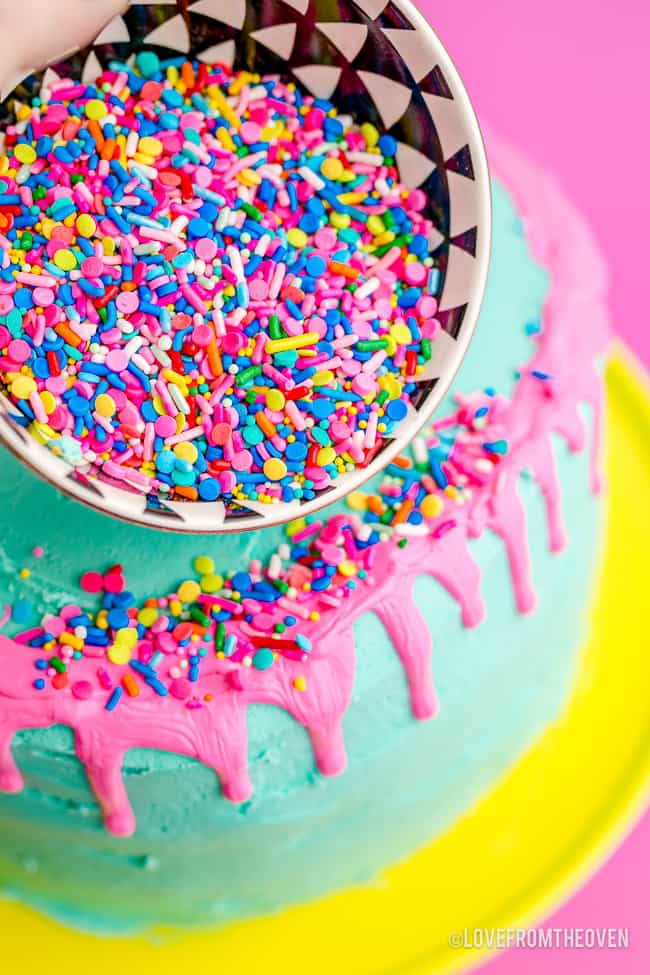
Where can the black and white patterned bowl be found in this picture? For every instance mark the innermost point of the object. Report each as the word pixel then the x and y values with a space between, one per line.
pixel 378 60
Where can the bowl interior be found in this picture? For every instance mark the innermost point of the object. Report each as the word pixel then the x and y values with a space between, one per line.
pixel 377 61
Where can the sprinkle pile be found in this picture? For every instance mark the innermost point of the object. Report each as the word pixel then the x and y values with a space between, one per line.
pixel 212 285
pixel 217 622
pixel 209 625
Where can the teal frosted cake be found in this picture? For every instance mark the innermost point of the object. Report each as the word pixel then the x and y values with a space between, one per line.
pixel 200 770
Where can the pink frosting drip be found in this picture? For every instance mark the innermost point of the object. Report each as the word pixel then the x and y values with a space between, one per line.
pixel 575 332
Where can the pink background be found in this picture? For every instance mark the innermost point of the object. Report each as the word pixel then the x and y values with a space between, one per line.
pixel 567 80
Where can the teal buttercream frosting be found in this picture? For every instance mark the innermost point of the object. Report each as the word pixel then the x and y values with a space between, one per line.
pixel 196 858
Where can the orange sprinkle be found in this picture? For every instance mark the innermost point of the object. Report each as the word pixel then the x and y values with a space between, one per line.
pixel 214 359
pixel 130 685
pixel 67 334
pixel 343 269
pixel 186 492
pixel 187 75
pixel 95 130
pixel 265 424
pixel 108 149
pixel 375 504
pixel 403 512
pixel 403 462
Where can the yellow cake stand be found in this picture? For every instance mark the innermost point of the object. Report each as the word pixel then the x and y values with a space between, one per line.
pixel 513 858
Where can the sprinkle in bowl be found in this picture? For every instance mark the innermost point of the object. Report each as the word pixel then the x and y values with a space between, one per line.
pixel 244 252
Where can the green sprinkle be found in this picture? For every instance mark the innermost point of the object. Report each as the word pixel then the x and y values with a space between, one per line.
pixel 247 375
pixel 219 637
pixel 199 616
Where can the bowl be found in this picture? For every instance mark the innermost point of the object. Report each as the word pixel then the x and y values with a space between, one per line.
pixel 378 62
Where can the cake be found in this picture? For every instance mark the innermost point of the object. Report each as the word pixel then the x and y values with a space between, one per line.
pixel 305 829
pixel 196 730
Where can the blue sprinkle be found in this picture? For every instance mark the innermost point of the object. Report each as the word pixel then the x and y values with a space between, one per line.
pixel 113 700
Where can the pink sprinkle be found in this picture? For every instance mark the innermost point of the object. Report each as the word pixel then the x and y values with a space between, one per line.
pixel 117 360
pixel 114 582
pixel 127 302
pixel 165 426
pixel 90 581
pixel 43 297
pixel 19 350
pixel 180 688
pixel 250 132
pixel 92 267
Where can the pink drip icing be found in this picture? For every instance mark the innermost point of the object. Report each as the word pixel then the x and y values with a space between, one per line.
pixel 574 334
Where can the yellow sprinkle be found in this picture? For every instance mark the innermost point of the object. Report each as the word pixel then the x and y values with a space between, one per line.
pixel 204 565
pixel 357 501
pixel 249 177
pixel 275 400
pixel 95 109
pixel 186 451
pixel 70 640
pixel 25 154
pixel 274 469
pixel 347 568
pixel 86 226
pixel 340 220
pixel 175 607
pixel 225 138
pixel 150 146
pixel 431 506
pixel 127 637
pixel 48 401
pixel 386 238
pixel 291 342
pixel 105 405
pixel 297 237
pixel 189 591
pixel 211 582
pixel 323 378
pixel 119 653
pixel 300 683
pixel 22 387
pixel 293 527
pixel 375 225
pixel 370 134
pixel 109 246
pixel 401 333
pixel 24 573
pixel 65 259
pixel 331 168
pixel 326 455
pixel 147 616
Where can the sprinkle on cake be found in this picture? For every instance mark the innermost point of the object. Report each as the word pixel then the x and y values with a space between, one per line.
pixel 212 285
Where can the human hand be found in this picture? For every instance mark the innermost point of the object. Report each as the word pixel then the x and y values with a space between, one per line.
pixel 34 33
